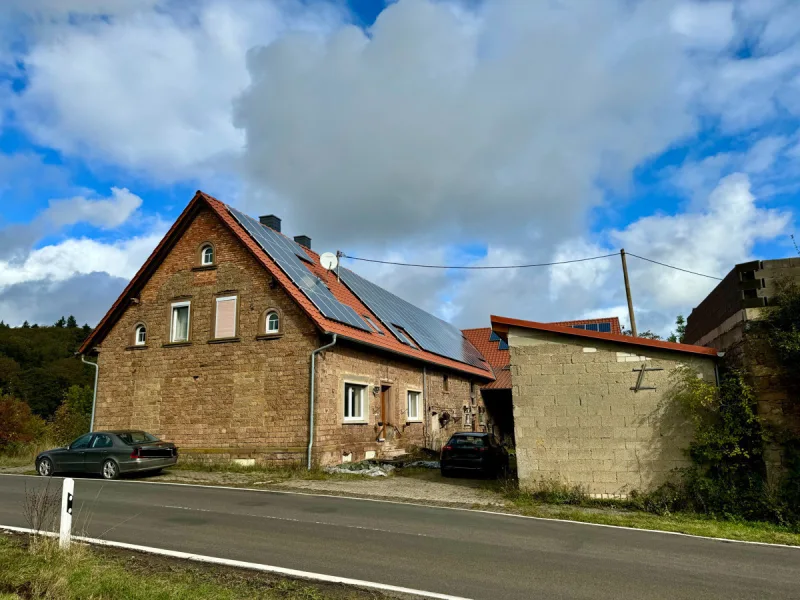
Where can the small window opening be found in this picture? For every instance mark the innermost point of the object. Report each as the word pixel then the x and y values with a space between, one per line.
pixel 141 335
pixel 273 322
pixel 207 255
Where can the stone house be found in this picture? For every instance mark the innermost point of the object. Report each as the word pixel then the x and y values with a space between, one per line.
pixel 231 332
pixel 593 409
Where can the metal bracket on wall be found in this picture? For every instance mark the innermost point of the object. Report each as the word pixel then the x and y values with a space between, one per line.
pixel 638 387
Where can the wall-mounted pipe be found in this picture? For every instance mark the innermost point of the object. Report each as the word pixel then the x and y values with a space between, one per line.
pixel 311 397
pixel 94 393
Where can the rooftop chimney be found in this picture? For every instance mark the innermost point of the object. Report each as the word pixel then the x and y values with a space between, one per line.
pixel 303 240
pixel 271 221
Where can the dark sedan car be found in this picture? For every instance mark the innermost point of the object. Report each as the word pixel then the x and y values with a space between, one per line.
pixel 110 454
pixel 476 452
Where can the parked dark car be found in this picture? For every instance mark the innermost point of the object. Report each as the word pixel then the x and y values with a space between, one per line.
pixel 476 452
pixel 110 454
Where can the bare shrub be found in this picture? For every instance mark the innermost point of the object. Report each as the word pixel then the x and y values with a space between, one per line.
pixel 41 507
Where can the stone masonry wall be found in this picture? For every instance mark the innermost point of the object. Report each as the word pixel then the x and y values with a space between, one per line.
pixel 577 420
pixel 338 440
pixel 241 398
pixel 248 397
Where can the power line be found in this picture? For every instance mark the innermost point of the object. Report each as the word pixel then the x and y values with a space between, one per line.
pixel 473 267
pixel 525 266
pixel 672 267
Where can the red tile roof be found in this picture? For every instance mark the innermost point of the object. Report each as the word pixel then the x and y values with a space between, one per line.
pixel 338 289
pixel 501 325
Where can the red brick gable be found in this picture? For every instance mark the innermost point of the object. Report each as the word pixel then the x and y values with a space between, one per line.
pixel 386 341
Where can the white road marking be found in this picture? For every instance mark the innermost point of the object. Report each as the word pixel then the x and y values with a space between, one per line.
pixel 307 575
pixel 433 506
pixel 273 518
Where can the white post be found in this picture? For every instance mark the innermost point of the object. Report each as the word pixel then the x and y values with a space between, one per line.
pixel 65 532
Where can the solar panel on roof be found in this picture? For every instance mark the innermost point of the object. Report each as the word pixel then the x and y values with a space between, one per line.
pixel 503 345
pixel 494 337
pixel 605 327
pixel 287 254
pixel 430 333
pixel 591 327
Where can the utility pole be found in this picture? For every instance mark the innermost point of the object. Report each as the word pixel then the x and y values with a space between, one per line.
pixel 628 292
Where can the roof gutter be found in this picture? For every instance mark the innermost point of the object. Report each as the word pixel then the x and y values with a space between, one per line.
pixel 311 396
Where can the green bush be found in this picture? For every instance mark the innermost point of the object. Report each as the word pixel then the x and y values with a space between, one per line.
pixel 73 415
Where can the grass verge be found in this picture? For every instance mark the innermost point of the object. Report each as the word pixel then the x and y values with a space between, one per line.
pixel 37 568
pixel 555 501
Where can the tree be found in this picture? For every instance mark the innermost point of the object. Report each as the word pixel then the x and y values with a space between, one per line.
pixel 72 418
pixel 17 424
pixel 71 322
pixel 644 334
pixel 61 322
pixel 679 335
pixel 25 325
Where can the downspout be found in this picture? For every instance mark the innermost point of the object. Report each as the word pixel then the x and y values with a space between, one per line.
pixel 94 393
pixel 425 405
pixel 311 397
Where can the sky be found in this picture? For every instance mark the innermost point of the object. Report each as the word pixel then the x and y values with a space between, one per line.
pixel 461 132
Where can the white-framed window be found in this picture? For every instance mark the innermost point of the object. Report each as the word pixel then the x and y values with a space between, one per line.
pixel 207 255
pixel 179 331
pixel 273 322
pixel 354 396
pixel 225 319
pixel 140 336
pixel 414 402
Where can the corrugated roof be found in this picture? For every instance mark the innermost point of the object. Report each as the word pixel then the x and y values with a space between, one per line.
pixel 387 341
pixel 501 325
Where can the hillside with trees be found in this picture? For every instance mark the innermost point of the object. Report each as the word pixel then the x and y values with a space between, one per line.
pixel 38 363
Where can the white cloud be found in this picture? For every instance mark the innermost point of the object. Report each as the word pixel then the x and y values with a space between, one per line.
pixel 62 261
pixel 106 213
pixel 705 24
pixel 445 122
pixel 149 90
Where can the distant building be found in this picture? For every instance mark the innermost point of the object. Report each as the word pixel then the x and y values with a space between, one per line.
pixel 719 320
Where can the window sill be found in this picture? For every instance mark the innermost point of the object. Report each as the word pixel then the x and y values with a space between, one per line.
pixel 176 344
pixel 269 336
pixel 413 421
pixel 137 347
pixel 224 340
pixel 204 268
pixel 354 422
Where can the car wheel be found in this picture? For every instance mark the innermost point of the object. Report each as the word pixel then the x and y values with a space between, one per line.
pixel 110 470
pixel 447 472
pixel 45 467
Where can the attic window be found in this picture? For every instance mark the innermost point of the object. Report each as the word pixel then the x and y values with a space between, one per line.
pixel 140 337
pixel 207 255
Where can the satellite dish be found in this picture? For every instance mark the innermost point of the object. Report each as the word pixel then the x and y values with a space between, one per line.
pixel 328 260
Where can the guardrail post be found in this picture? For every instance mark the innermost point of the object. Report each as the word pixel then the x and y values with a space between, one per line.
pixel 65 531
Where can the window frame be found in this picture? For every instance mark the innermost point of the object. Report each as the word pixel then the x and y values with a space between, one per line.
pixel 173 321
pixel 201 255
pixel 362 417
pixel 269 314
pixel 215 323
pixel 419 408
pixel 139 327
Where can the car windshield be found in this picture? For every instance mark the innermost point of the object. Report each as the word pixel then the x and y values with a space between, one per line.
pixel 136 437
pixel 468 441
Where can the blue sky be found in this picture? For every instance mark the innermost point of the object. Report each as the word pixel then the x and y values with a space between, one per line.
pixel 422 131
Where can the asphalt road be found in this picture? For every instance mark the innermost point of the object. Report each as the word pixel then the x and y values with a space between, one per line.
pixel 464 553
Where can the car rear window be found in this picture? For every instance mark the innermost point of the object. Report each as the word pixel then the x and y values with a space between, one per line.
pixel 468 441
pixel 136 437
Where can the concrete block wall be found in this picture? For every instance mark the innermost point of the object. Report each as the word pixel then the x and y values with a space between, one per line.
pixel 578 422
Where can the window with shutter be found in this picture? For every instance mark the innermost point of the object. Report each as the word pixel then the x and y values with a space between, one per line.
pixel 225 326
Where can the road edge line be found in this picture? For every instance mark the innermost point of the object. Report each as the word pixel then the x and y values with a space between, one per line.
pixel 458 508
pixel 229 562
